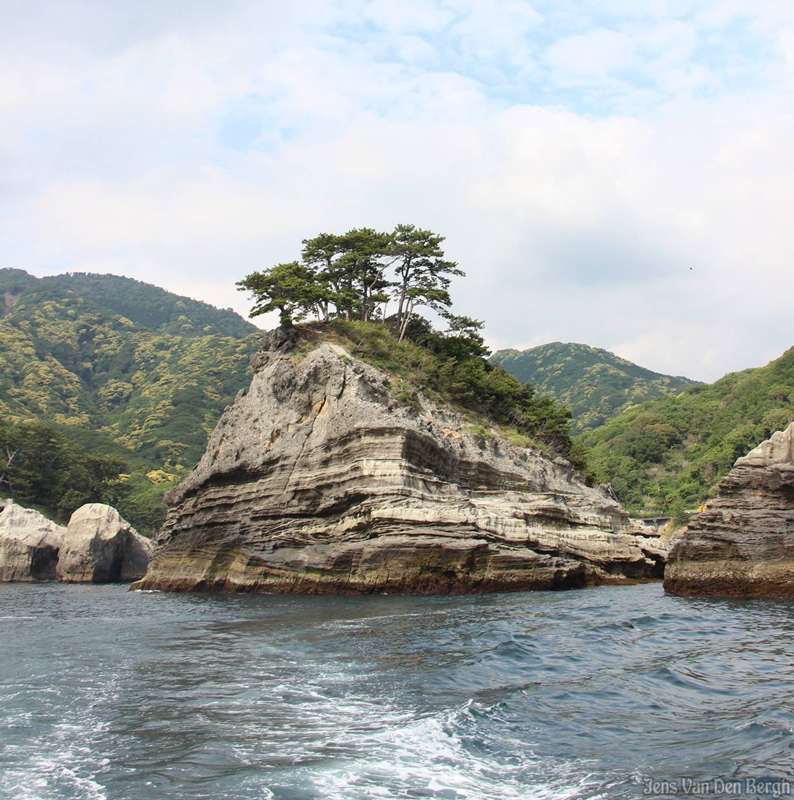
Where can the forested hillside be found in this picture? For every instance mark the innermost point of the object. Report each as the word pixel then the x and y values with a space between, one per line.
pixel 145 386
pixel 109 387
pixel 671 452
pixel 153 308
pixel 594 384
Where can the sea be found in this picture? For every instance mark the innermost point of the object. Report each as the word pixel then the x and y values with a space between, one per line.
pixel 611 692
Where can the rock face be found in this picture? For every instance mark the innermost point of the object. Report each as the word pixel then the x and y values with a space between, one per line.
pixel 29 544
pixel 743 543
pixel 101 547
pixel 317 480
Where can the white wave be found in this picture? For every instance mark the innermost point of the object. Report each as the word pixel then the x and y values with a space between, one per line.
pixel 43 778
pixel 428 756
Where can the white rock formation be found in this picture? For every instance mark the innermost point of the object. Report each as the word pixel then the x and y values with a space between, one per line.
pixel 29 544
pixel 743 543
pixel 100 546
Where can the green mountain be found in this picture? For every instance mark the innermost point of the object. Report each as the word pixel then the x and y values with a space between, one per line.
pixel 109 388
pixel 669 453
pixel 153 308
pixel 594 384
pixel 122 368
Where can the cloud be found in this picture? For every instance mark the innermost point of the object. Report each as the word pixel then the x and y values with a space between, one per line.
pixel 591 56
pixel 409 16
pixel 609 173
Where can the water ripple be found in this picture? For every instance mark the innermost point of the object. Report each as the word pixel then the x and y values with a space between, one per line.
pixel 107 695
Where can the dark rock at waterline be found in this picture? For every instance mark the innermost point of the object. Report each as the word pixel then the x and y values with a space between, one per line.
pixel 743 543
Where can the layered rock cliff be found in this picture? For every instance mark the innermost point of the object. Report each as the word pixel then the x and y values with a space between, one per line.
pixel 318 480
pixel 743 543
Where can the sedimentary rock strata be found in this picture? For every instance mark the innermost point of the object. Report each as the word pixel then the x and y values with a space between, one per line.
pixel 318 480
pixel 29 544
pixel 100 546
pixel 743 543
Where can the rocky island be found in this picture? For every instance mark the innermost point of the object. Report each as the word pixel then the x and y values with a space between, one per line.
pixel 319 479
pixel 742 544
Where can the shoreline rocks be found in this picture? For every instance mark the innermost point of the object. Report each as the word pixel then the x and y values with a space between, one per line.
pixel 317 480
pixel 98 546
pixel 742 545
pixel 29 544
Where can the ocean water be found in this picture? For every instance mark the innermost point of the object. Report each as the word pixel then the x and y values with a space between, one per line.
pixel 600 693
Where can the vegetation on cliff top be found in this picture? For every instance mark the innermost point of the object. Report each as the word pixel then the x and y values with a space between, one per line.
pixel 450 368
pixel 671 452
pixel 347 281
pixel 354 275
pixel 595 384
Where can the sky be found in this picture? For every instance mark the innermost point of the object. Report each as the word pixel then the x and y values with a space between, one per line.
pixel 612 172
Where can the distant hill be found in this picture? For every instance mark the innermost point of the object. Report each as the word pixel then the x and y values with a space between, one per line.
pixel 121 367
pixel 673 450
pixel 150 307
pixel 594 384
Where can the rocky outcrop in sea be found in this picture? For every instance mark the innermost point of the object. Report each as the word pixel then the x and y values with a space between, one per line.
pixel 743 543
pixel 97 546
pixel 29 544
pixel 100 546
pixel 318 480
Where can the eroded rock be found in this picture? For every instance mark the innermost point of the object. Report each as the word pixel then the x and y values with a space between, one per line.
pixel 743 543
pixel 100 546
pixel 29 544
pixel 318 480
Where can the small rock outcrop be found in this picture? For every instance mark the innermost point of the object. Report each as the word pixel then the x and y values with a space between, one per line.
pixel 29 544
pixel 100 546
pixel 743 543
pixel 317 480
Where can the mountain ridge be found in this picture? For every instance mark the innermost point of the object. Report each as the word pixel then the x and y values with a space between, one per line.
pixel 146 305
pixel 593 382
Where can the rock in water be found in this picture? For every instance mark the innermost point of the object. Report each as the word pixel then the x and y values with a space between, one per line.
pixel 29 544
pixel 743 543
pixel 100 546
pixel 318 480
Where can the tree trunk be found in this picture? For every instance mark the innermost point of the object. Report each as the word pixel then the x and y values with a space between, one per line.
pixel 405 321
pixel 405 274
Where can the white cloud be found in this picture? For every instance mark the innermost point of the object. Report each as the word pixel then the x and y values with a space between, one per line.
pixel 409 16
pixel 661 231
pixel 498 32
pixel 592 55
